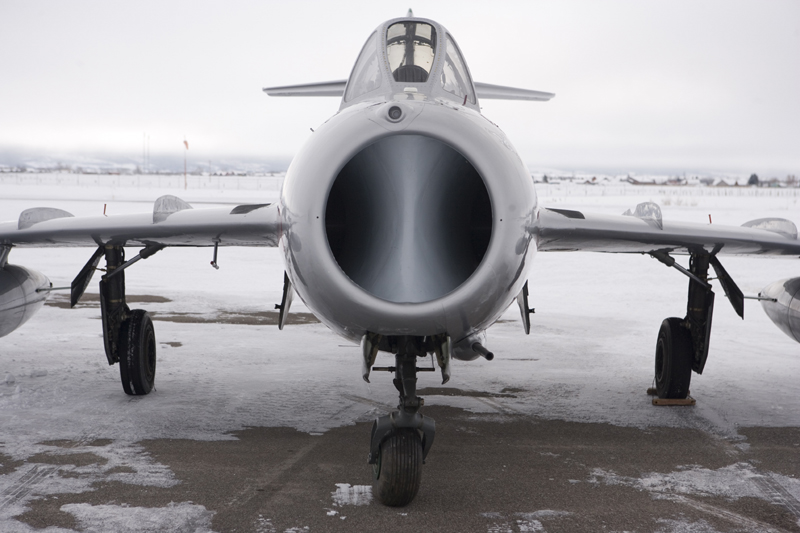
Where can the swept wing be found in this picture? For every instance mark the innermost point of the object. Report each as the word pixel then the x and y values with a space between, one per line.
pixel 569 230
pixel 173 222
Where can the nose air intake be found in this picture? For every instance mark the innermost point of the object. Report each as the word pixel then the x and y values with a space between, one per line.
pixel 408 219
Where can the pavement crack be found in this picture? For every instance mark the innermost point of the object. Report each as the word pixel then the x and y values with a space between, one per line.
pixel 360 399
pixel 250 488
pixel 777 494
pixel 26 484
pixel 497 406
pixel 734 518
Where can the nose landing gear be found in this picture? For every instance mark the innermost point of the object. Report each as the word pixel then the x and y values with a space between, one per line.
pixel 401 440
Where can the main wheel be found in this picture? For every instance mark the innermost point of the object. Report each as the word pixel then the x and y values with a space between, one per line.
pixel 674 355
pixel 137 353
pixel 398 471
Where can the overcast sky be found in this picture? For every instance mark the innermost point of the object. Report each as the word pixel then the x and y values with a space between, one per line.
pixel 640 85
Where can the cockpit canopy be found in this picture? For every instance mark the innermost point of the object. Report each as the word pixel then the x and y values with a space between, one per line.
pixel 414 53
pixel 410 48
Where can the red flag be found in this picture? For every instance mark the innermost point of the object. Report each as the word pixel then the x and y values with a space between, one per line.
pixel 186 143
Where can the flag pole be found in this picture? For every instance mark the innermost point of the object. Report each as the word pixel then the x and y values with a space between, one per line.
pixel 186 144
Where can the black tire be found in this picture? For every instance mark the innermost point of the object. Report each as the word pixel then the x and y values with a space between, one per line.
pixel 137 353
pixel 674 355
pixel 398 471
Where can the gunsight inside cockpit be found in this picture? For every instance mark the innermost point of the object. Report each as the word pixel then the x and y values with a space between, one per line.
pixel 410 47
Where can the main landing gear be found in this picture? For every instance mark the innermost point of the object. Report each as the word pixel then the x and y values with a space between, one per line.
pixel 401 440
pixel 682 345
pixel 128 335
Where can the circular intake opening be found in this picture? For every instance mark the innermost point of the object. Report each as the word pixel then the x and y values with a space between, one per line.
pixel 408 219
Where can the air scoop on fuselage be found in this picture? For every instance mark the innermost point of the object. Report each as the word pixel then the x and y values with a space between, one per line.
pixel 408 219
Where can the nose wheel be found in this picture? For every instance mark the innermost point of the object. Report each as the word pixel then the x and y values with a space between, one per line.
pixel 401 440
pixel 398 468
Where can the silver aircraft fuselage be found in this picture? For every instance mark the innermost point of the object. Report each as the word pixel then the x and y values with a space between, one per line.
pixel 407 213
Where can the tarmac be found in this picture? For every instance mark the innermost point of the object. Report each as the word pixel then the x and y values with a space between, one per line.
pixel 489 472
pixel 557 434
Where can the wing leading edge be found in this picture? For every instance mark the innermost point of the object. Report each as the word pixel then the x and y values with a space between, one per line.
pixel 172 223
pixel 645 232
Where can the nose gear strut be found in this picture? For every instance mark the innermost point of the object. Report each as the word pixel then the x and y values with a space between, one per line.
pixel 402 439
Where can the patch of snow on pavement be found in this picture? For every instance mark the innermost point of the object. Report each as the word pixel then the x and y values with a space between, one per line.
pixel 735 481
pixel 345 494
pixel 175 517
pixel 526 526
pixel 523 522
pixel 264 525
pixel 19 527
pixel 124 462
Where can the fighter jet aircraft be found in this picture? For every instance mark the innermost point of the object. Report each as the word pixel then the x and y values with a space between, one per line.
pixel 407 223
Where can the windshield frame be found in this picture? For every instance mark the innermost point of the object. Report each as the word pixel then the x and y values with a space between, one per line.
pixel 358 87
pixel 461 84
pixel 422 68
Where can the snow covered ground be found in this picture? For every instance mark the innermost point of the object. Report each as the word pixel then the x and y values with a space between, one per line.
pixel 589 357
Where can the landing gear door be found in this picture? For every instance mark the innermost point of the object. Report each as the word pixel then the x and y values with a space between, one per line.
pixel 286 301
pixel 525 311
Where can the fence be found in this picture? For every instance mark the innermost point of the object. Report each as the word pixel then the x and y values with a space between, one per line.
pixel 145 181
pixel 274 182
pixel 661 191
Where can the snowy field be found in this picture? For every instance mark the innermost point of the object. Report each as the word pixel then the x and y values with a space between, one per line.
pixel 589 357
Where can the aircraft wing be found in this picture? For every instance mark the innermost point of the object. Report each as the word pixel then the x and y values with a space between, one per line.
pixel 644 231
pixel 323 88
pixel 173 222
pixel 490 91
